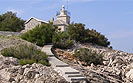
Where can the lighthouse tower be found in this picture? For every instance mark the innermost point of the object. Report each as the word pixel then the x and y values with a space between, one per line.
pixel 63 15
pixel 63 19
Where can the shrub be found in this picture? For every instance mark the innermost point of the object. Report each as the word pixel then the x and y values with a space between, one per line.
pixel 97 38
pixel 62 40
pixel 78 32
pixel 27 54
pixel 26 61
pixel 40 35
pixel 88 56
pixel 45 34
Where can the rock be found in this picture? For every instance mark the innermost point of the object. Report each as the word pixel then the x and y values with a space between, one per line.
pixel 116 66
pixel 39 81
pixel 11 79
pixel 13 82
pixel 26 66
pixel 14 73
pixel 21 71
pixel 129 74
pixel 31 74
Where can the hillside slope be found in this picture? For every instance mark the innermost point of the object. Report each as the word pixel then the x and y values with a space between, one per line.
pixel 7 41
pixel 11 72
pixel 117 65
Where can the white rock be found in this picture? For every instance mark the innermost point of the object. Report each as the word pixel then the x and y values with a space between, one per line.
pixel 129 74
pixel 4 74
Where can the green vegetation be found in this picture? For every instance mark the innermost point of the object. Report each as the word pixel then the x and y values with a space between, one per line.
pixel 10 22
pixel 46 33
pixel 40 35
pixel 88 56
pixel 78 32
pixel 27 54
pixel 97 38
pixel 62 40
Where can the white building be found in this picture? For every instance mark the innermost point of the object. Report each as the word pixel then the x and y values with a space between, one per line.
pixel 62 21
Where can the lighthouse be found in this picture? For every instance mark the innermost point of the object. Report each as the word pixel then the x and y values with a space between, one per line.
pixel 63 19
pixel 64 15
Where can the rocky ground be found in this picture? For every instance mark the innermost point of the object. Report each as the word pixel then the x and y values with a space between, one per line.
pixel 11 72
pixel 117 65
pixel 7 41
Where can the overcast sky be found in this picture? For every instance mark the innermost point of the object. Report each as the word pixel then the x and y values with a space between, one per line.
pixel 113 18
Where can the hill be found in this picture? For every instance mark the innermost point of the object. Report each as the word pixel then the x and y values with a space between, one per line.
pixel 116 68
pixel 11 71
pixel 117 65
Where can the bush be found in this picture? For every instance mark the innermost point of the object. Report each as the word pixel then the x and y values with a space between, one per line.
pixel 97 38
pixel 45 34
pixel 40 35
pixel 88 56
pixel 27 54
pixel 78 32
pixel 25 61
pixel 62 40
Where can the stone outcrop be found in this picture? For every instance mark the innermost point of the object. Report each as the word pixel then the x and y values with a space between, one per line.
pixel 11 72
pixel 7 33
pixel 8 41
pixel 117 65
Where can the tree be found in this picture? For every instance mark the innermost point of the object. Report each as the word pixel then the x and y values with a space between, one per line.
pixel 10 22
pixel 78 32
pixel 40 35
pixel 97 38
pixel 62 40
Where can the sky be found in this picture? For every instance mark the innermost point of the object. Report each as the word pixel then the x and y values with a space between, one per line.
pixel 113 18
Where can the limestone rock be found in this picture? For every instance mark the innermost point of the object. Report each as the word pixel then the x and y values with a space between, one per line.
pixel 129 74
pixel 11 72
pixel 117 65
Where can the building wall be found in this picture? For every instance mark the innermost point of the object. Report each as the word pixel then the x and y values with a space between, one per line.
pixel 32 24
pixel 62 28
pixel 64 18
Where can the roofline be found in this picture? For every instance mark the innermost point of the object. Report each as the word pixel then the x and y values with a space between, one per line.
pixel 35 19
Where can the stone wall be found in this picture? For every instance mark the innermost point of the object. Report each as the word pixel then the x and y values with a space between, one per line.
pixel 10 33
